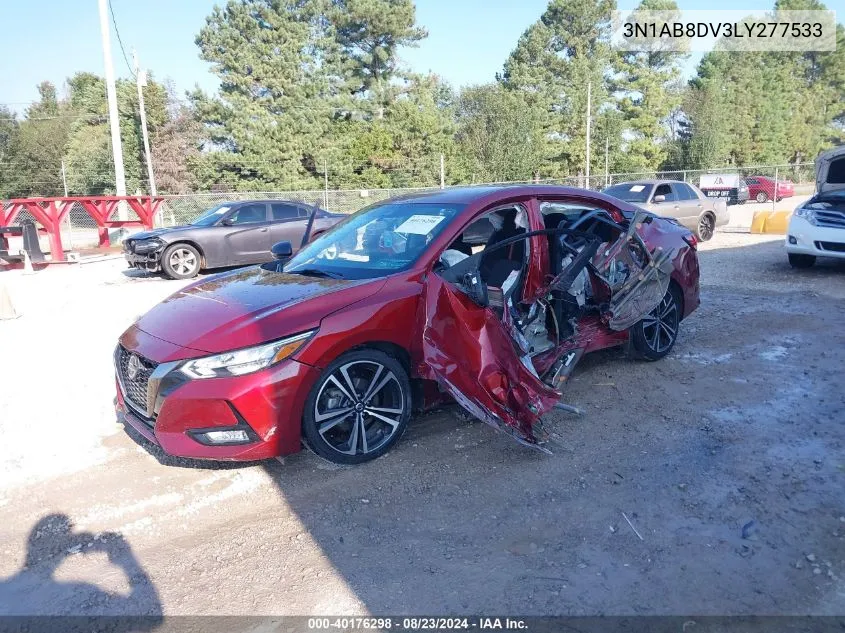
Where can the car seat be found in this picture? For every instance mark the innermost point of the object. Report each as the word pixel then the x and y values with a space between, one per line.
pixel 497 265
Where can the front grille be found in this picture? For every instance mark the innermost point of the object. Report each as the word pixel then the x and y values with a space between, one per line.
pixel 830 218
pixel 836 247
pixel 135 389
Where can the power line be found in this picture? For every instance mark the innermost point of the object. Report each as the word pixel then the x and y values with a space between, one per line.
pixel 120 41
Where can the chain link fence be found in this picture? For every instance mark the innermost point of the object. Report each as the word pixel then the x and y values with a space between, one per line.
pixel 80 230
pixel 183 208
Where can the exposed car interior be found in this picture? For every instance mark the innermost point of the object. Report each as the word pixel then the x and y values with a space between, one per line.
pixel 597 266
pixel 500 268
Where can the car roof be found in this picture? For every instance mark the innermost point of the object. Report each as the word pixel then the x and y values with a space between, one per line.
pixel 254 200
pixel 648 181
pixel 490 193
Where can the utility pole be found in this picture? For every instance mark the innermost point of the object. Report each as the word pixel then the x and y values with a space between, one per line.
pixel 141 80
pixel 111 93
pixel 67 217
pixel 326 190
pixel 442 172
pixel 589 121
pixel 64 180
pixel 606 148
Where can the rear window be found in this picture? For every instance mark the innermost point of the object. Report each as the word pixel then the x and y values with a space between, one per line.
pixel 684 191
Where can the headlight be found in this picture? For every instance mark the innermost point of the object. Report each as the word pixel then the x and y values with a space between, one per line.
pixel 244 361
pixel 148 246
pixel 807 214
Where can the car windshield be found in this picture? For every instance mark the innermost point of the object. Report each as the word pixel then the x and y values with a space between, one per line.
pixel 378 240
pixel 207 218
pixel 630 192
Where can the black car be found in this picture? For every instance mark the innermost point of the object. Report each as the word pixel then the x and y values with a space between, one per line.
pixel 229 234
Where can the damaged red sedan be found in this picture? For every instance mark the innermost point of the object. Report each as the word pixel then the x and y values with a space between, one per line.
pixel 485 295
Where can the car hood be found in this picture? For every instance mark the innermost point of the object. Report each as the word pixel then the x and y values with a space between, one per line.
pixel 249 306
pixel 823 163
pixel 145 235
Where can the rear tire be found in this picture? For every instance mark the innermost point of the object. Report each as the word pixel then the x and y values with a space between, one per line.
pixel 797 260
pixel 654 337
pixel 181 261
pixel 358 408
pixel 706 227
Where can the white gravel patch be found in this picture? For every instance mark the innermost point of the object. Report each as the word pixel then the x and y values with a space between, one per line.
pixel 56 405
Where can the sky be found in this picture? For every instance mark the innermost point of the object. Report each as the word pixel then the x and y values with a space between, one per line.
pixel 468 40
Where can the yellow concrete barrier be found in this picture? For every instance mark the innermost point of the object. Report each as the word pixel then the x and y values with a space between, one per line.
pixel 774 222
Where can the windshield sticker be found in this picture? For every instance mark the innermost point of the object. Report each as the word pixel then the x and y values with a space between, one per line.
pixel 637 188
pixel 419 224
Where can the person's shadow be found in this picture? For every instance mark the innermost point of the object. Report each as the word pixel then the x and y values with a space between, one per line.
pixel 34 590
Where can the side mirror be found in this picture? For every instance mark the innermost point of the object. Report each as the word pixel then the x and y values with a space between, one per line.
pixel 282 251
pixel 659 198
pixel 227 222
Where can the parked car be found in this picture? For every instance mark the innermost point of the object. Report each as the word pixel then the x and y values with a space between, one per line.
pixel 762 188
pixel 675 199
pixel 338 345
pixel 228 234
pixel 817 227
pixel 731 187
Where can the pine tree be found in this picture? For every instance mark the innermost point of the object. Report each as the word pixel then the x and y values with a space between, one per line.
pixel 554 61
pixel 650 89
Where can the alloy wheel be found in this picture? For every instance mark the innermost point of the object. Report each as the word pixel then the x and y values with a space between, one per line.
pixel 762 197
pixel 660 327
pixel 359 407
pixel 183 261
pixel 705 227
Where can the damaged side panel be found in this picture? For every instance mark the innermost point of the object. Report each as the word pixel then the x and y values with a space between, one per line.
pixel 490 361
pixel 645 281
pixel 467 350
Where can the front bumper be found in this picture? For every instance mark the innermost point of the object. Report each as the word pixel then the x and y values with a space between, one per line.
pixel 267 404
pixel 147 259
pixel 810 239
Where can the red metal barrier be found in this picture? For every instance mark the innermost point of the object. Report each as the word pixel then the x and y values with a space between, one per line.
pixel 50 212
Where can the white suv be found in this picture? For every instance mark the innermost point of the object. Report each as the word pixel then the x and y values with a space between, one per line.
pixel 817 227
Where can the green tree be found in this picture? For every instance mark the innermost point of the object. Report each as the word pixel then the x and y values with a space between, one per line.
pixel 8 141
pixel 369 34
pixel 88 155
pixel 280 77
pixel 35 152
pixel 650 88
pixel 500 133
pixel 553 63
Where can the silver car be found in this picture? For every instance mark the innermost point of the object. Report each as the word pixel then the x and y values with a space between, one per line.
pixel 675 199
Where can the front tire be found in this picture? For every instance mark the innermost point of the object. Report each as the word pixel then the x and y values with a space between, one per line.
pixel 797 260
pixel 358 409
pixel 181 261
pixel 653 337
pixel 762 197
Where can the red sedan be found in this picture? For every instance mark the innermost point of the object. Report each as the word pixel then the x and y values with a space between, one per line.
pixel 762 188
pixel 487 295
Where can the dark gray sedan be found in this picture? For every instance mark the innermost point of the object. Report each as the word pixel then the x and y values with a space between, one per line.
pixel 229 234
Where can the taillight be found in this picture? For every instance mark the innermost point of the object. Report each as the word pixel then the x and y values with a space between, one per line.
pixel 692 240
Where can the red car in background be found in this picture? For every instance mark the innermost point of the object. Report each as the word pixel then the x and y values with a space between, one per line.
pixel 487 295
pixel 762 188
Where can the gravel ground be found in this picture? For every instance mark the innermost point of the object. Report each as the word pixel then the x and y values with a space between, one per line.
pixel 726 457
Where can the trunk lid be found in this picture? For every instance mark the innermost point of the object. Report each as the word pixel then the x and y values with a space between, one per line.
pixel 830 170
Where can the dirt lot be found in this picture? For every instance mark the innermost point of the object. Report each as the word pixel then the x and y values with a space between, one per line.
pixel 727 457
